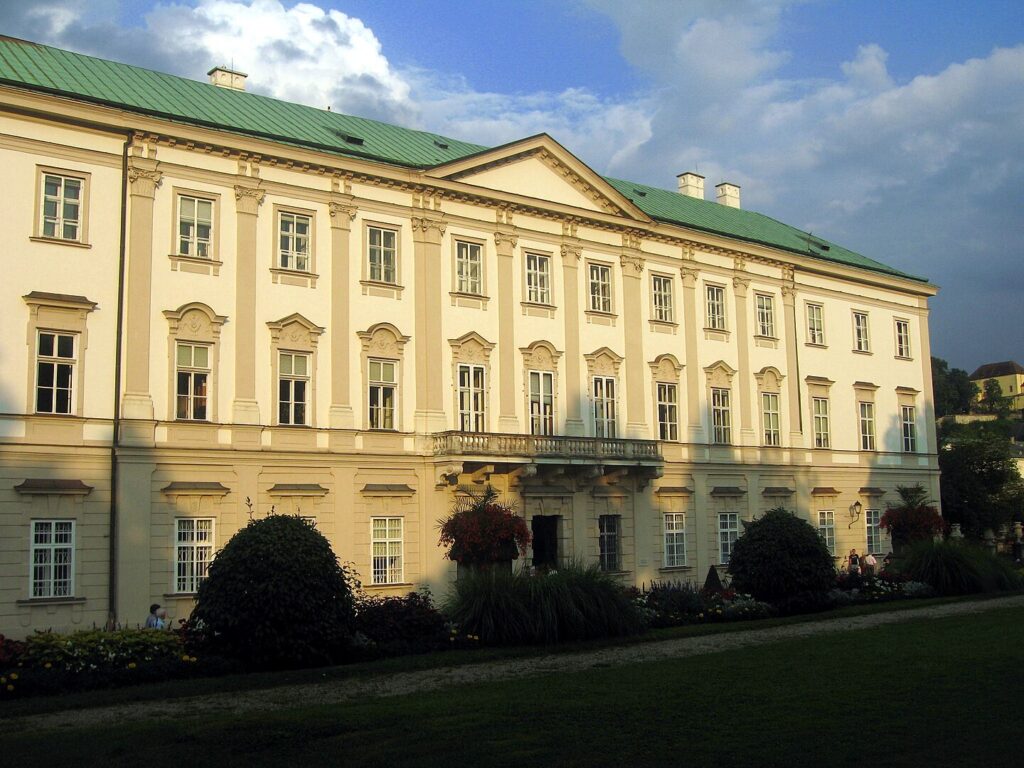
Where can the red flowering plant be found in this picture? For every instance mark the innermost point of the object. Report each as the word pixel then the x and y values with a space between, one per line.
pixel 913 518
pixel 482 530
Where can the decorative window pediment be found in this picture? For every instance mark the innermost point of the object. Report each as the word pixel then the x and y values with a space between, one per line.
pixel 471 348
pixel 295 332
pixel 666 367
pixel 769 379
pixel 720 374
pixel 383 340
pixel 603 362
pixel 540 356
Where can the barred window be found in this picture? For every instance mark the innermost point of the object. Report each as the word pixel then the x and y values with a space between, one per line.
pixel 827 529
pixel 53 558
pixel 728 532
pixel 675 539
pixel 609 542
pixel 193 552
pixel 873 519
pixel 387 550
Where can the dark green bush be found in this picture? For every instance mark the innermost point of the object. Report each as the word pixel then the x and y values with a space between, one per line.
pixel 953 568
pixel 394 625
pixel 276 596
pixel 573 603
pixel 670 604
pixel 779 557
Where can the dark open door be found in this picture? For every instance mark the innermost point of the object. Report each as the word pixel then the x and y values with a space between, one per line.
pixel 545 542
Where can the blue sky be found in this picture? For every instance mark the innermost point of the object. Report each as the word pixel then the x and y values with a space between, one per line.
pixel 894 128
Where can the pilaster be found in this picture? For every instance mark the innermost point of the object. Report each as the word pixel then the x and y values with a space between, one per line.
pixel 740 288
pixel 505 241
pixel 245 409
pixel 695 428
pixel 796 437
pixel 572 252
pixel 632 272
pixel 342 212
pixel 428 227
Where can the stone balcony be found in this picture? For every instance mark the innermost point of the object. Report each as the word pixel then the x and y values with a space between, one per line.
pixel 491 446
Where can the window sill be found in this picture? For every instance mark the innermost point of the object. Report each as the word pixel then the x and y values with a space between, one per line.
pixel 767 342
pixel 194 264
pixel 716 334
pixel 67 416
pixel 675 569
pixel 862 351
pixel 815 344
pixel 536 309
pixel 292 426
pixel 381 289
pixel 60 241
pixel 904 357
pixel 295 277
pixel 51 601
pixel 401 584
pixel 468 300
pixel 663 326
pixel 180 595
pixel 597 317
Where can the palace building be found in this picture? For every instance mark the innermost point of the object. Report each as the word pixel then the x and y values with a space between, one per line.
pixel 217 303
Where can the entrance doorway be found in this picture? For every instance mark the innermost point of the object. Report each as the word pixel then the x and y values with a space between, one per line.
pixel 545 541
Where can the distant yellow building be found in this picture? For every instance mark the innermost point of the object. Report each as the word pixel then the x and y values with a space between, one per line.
pixel 1010 376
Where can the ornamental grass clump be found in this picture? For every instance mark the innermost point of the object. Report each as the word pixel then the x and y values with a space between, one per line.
pixel 482 531
pixel 276 596
pixel 952 568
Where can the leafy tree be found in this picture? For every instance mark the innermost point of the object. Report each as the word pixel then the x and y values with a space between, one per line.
pixel 981 485
pixel 276 596
pixel 993 401
pixel 780 556
pixel 953 390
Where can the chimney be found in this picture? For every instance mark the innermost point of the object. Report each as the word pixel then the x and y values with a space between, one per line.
pixel 691 184
pixel 728 194
pixel 231 79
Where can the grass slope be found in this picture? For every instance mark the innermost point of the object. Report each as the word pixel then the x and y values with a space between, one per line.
pixel 937 692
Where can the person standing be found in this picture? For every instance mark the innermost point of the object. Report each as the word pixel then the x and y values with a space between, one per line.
pixel 157 618
pixel 868 562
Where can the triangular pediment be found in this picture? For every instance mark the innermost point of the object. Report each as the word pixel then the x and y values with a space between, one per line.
pixel 540 168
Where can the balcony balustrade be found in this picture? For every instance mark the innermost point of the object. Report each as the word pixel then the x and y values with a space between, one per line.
pixel 498 445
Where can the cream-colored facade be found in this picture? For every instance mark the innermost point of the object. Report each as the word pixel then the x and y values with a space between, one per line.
pixel 680 381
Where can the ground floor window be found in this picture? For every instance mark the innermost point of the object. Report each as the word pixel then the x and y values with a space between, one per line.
pixel 675 539
pixel 53 558
pixel 387 550
pixel 728 532
pixel 873 518
pixel 193 552
pixel 827 529
pixel 609 541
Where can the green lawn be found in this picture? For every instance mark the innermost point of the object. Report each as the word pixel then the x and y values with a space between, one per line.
pixel 930 693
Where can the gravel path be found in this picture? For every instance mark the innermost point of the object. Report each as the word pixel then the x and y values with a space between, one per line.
pixel 432 679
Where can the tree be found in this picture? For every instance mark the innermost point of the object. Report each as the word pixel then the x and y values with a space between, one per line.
pixel 953 390
pixel 993 401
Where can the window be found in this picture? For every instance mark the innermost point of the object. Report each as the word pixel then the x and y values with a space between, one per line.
pixel 195 226
pixel 873 520
pixel 293 239
pixel 292 387
pixel 62 207
pixel 193 374
pixel 604 406
pixel 668 411
pixel 55 372
pixel 675 540
pixel 861 341
pixel 538 278
pixel 383 386
pixel 770 418
pixel 387 550
pixel 542 403
pixel 721 416
pixel 902 338
pixel 821 425
pixel 867 426
pixel 600 288
pixel 608 543
pixel 827 529
pixel 469 268
pixel 908 418
pixel 728 532
pixel 472 417
pixel 193 552
pixel 53 558
pixel 382 255
pixel 661 293
pixel 815 324
pixel 765 315
pixel 716 307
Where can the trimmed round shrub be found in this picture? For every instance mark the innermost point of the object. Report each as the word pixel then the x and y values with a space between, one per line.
pixel 276 596
pixel 394 625
pixel 780 557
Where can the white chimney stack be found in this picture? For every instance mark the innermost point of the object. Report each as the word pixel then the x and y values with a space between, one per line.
pixel 728 194
pixel 231 79
pixel 691 184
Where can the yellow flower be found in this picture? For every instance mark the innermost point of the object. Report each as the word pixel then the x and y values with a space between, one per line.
pixel 10 687
pixel 185 657
pixel 47 665
pixel 193 658
pixel 132 665
pixel 3 680
pixel 14 675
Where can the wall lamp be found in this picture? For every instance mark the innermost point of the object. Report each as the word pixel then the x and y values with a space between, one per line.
pixel 855 510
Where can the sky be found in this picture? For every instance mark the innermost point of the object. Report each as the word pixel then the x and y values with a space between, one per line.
pixel 893 128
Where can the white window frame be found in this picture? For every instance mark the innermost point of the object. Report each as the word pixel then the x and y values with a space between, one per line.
pixel 195 536
pixel 603 391
pixel 541 402
pixel 902 330
pixel 873 530
pixel 908 422
pixel 816 324
pixel 198 380
pixel 193 244
pixel 293 244
pixel 379 391
pixel 387 550
pixel 55 362
pixel 721 416
pixel 668 410
pixel 600 281
pixel 609 542
pixel 827 529
pixel 861 332
pixel 538 278
pixel 822 422
pixel 51 559
pixel 472 396
pixel 296 411
pixel 771 418
pixel 715 302
pixel 765 304
pixel 662 298
pixel 674 529
pixel 728 532
pixel 382 256
pixel 469 268
pixel 866 420
pixel 62 217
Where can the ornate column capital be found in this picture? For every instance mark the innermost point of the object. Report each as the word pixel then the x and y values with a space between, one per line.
pixel 689 275
pixel 429 228
pixel 342 213
pixel 503 237
pixel 634 261
pixel 249 199
pixel 571 254
pixel 143 176
pixel 740 285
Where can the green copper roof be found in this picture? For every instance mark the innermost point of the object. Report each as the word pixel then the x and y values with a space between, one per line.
pixel 40 67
